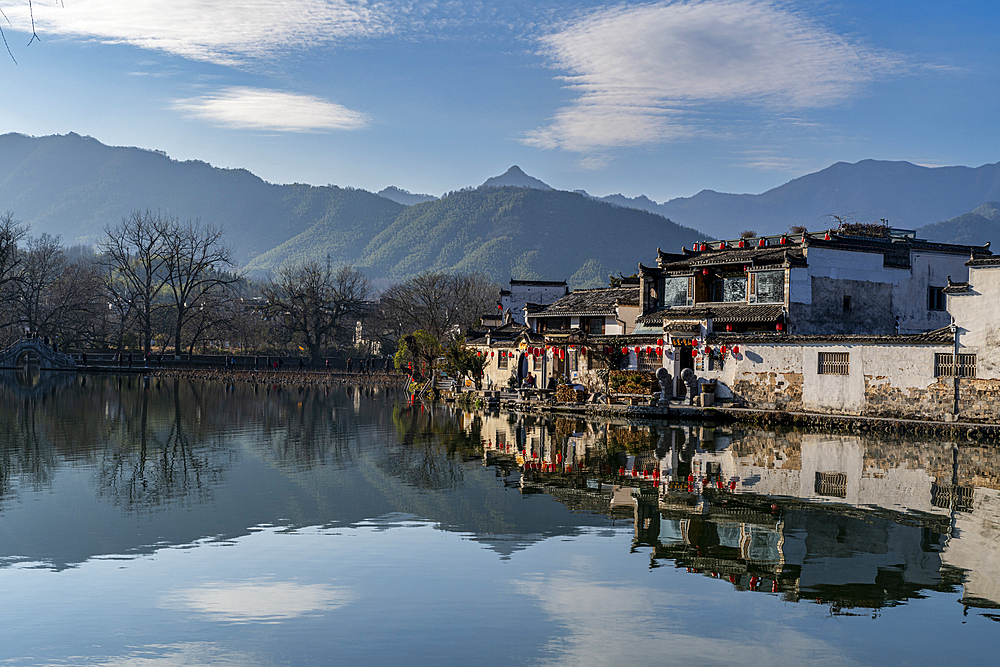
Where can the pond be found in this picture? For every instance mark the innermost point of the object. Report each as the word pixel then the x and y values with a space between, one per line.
pixel 173 522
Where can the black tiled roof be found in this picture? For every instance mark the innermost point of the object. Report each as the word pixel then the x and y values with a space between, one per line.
pixel 603 301
pixel 722 313
pixel 984 261
pixel 940 336
pixel 895 250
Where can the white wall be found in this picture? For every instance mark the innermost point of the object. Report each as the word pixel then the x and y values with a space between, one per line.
pixel 977 316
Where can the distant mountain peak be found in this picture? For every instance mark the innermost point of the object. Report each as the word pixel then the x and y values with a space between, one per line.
pixel 516 178
pixel 404 197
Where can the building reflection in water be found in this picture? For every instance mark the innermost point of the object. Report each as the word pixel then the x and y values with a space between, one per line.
pixel 850 521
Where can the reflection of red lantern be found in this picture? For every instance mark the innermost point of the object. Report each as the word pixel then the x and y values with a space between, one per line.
pixel 826 237
pixel 736 349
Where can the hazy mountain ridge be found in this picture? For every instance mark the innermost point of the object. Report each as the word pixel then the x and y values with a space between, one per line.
pixel 404 197
pixel 74 186
pixel 974 228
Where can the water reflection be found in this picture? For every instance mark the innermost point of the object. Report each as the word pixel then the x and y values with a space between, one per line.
pixel 129 465
pixel 849 521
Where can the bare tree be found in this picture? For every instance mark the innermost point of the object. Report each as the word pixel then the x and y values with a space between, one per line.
pixel 441 304
pixel 196 267
pixel 42 266
pixel 11 260
pixel 318 303
pixel 134 253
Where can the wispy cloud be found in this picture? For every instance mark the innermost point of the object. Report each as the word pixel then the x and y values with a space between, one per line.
pixel 264 109
pixel 207 30
pixel 641 72
pixel 259 602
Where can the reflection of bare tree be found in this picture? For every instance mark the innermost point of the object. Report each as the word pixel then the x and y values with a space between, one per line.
pixel 161 450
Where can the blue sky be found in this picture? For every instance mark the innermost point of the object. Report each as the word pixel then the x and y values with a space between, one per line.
pixel 662 98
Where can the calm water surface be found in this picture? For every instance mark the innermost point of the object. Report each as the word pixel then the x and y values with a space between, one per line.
pixel 182 523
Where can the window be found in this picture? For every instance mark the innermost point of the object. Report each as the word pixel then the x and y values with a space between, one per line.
pixel 595 326
pixel 573 360
pixel 674 292
pixel 847 302
pixel 501 358
pixel 833 484
pixel 648 361
pixel 536 362
pixel 768 287
pixel 944 366
pixel 730 289
pixel 834 363
pixel 935 298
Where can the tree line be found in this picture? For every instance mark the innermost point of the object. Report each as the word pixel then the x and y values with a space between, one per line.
pixel 156 284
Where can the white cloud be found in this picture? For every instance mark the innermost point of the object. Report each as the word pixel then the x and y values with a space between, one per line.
pixel 178 655
pixel 264 109
pixel 641 72
pixel 206 30
pixel 259 602
pixel 599 618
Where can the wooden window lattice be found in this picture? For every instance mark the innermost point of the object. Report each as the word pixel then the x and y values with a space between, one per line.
pixel 944 365
pixel 834 363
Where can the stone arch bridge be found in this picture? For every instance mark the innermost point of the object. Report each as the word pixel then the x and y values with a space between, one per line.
pixel 35 351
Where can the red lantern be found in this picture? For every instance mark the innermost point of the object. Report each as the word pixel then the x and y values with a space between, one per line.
pixel 659 351
pixel 736 349
pixel 694 353
pixel 779 326
pixel 638 349
pixel 783 240
pixel 729 327
pixel 583 350
pixel 649 349
pixel 762 243
pixel 724 349
pixel 722 245
pixel 659 341
pixel 742 243
pixel 624 350
pixel 492 354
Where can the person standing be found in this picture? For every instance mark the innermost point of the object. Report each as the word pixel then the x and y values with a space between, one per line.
pixel 349 362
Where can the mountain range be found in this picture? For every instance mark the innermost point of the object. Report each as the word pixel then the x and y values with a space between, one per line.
pixel 513 225
pixel 75 186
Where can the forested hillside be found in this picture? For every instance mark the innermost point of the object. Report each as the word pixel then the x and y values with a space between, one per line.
pixel 503 232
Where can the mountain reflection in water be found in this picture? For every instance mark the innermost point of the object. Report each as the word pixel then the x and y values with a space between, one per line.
pixel 93 467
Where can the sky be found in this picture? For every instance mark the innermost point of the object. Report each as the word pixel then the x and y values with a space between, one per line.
pixel 663 99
